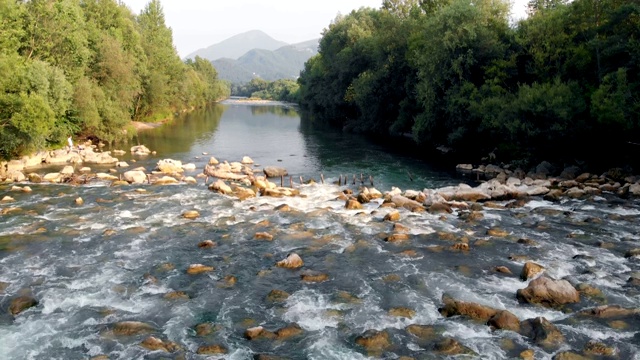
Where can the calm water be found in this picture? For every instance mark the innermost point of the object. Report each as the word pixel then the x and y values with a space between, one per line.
pixel 118 257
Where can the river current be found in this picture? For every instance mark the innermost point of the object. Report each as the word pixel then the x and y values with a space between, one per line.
pixel 123 256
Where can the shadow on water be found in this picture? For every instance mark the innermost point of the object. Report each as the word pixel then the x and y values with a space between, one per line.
pixel 180 135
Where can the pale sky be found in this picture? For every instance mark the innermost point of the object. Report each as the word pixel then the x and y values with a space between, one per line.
pixel 198 24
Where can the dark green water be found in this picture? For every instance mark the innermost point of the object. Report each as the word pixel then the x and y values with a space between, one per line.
pixel 274 135
pixel 121 254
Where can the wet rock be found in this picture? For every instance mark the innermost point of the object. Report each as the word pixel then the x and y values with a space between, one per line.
pixel 409 253
pixel 277 296
pixel 190 180
pixel 392 216
pixel 191 214
pixel 632 253
pixel 399 228
pixel 211 350
pixel 353 204
pixel 527 242
pixel 21 304
pixel 527 355
pixel 449 346
pixel 129 328
pixel 502 269
pixel 293 261
pixel 263 236
pixel 440 208
pixel 542 332
pixel 213 161
pixel 609 312
pixel 599 349
pixel 7 199
pixel 135 177
pixel 207 244
pixel 474 311
pixel 530 270
pixel 155 344
pixel 275 171
pixel 221 187
pixel 373 340
pixel 397 237
pixel 497 232
pixel 289 331
pixel 243 193
pixel 169 166
pixel 460 246
pixel 402 312
pixel 548 292
pixel 165 180
pixel 228 281
pixel 554 195
pixel 140 150
pixel 282 208
pixel 176 295
pixel 195 269
pixel 588 290
pixel 3 286
pixel 314 277
pixel 205 329
pixel 568 355
pixel 257 333
pixel 504 320
pixel 422 332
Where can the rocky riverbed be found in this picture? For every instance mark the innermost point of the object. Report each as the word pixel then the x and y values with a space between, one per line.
pixel 116 264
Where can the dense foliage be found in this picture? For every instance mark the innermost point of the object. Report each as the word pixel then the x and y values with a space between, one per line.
pixel 562 84
pixel 89 67
pixel 281 90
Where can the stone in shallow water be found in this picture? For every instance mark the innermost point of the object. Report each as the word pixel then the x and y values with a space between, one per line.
pixel 374 340
pixel 599 349
pixel 548 292
pixel 128 328
pixel 314 277
pixel 450 346
pixel 289 331
pixel 402 312
pixel 155 344
pixel 211 350
pixel 530 270
pixel 542 332
pixel 293 261
pixel 21 304
pixel 276 296
pixel 195 269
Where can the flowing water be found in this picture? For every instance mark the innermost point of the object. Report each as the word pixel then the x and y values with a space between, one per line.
pixel 118 256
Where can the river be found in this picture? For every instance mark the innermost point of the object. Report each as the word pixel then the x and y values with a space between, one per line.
pixel 123 256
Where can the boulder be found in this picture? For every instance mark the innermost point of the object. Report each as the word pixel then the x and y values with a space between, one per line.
pixel 530 270
pixel 211 350
pixel 103 158
pixel 373 340
pixel 213 161
pixel 221 187
pixel 401 201
pixel 504 320
pixel 195 269
pixel 135 177
pixel 548 292
pixel 472 310
pixel 542 332
pixel 246 160
pixel 596 348
pixel 53 177
pixel 314 277
pixel 440 208
pixel 165 180
pixel 223 172
pixel 392 216
pixel 189 167
pixel 140 150
pixel 190 180
pixel 402 312
pixel 277 296
pixel 258 332
pixel 15 176
pixel 122 164
pixel 155 344
pixel 353 204
pixel 191 214
pixel 634 189
pixel 21 304
pixel 275 171
pixel 169 166
pixel 292 261
pixel 451 347
pixel 610 312
pixel 288 331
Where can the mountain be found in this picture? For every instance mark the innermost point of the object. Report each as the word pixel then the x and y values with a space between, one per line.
pixel 285 62
pixel 238 45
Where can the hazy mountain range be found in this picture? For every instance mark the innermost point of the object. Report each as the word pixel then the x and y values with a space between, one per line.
pixel 245 56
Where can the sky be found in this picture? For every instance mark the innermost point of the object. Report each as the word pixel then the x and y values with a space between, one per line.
pixel 198 24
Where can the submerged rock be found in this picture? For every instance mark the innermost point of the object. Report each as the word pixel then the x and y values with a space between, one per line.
pixel 155 344
pixel 451 347
pixel 196 269
pixel 542 333
pixel 129 328
pixel 21 304
pixel 373 340
pixel 211 350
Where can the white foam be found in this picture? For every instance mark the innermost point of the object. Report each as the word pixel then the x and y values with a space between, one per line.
pixel 309 309
pixel 326 345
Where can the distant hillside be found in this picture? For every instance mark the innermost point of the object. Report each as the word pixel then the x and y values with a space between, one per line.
pixel 284 63
pixel 238 45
